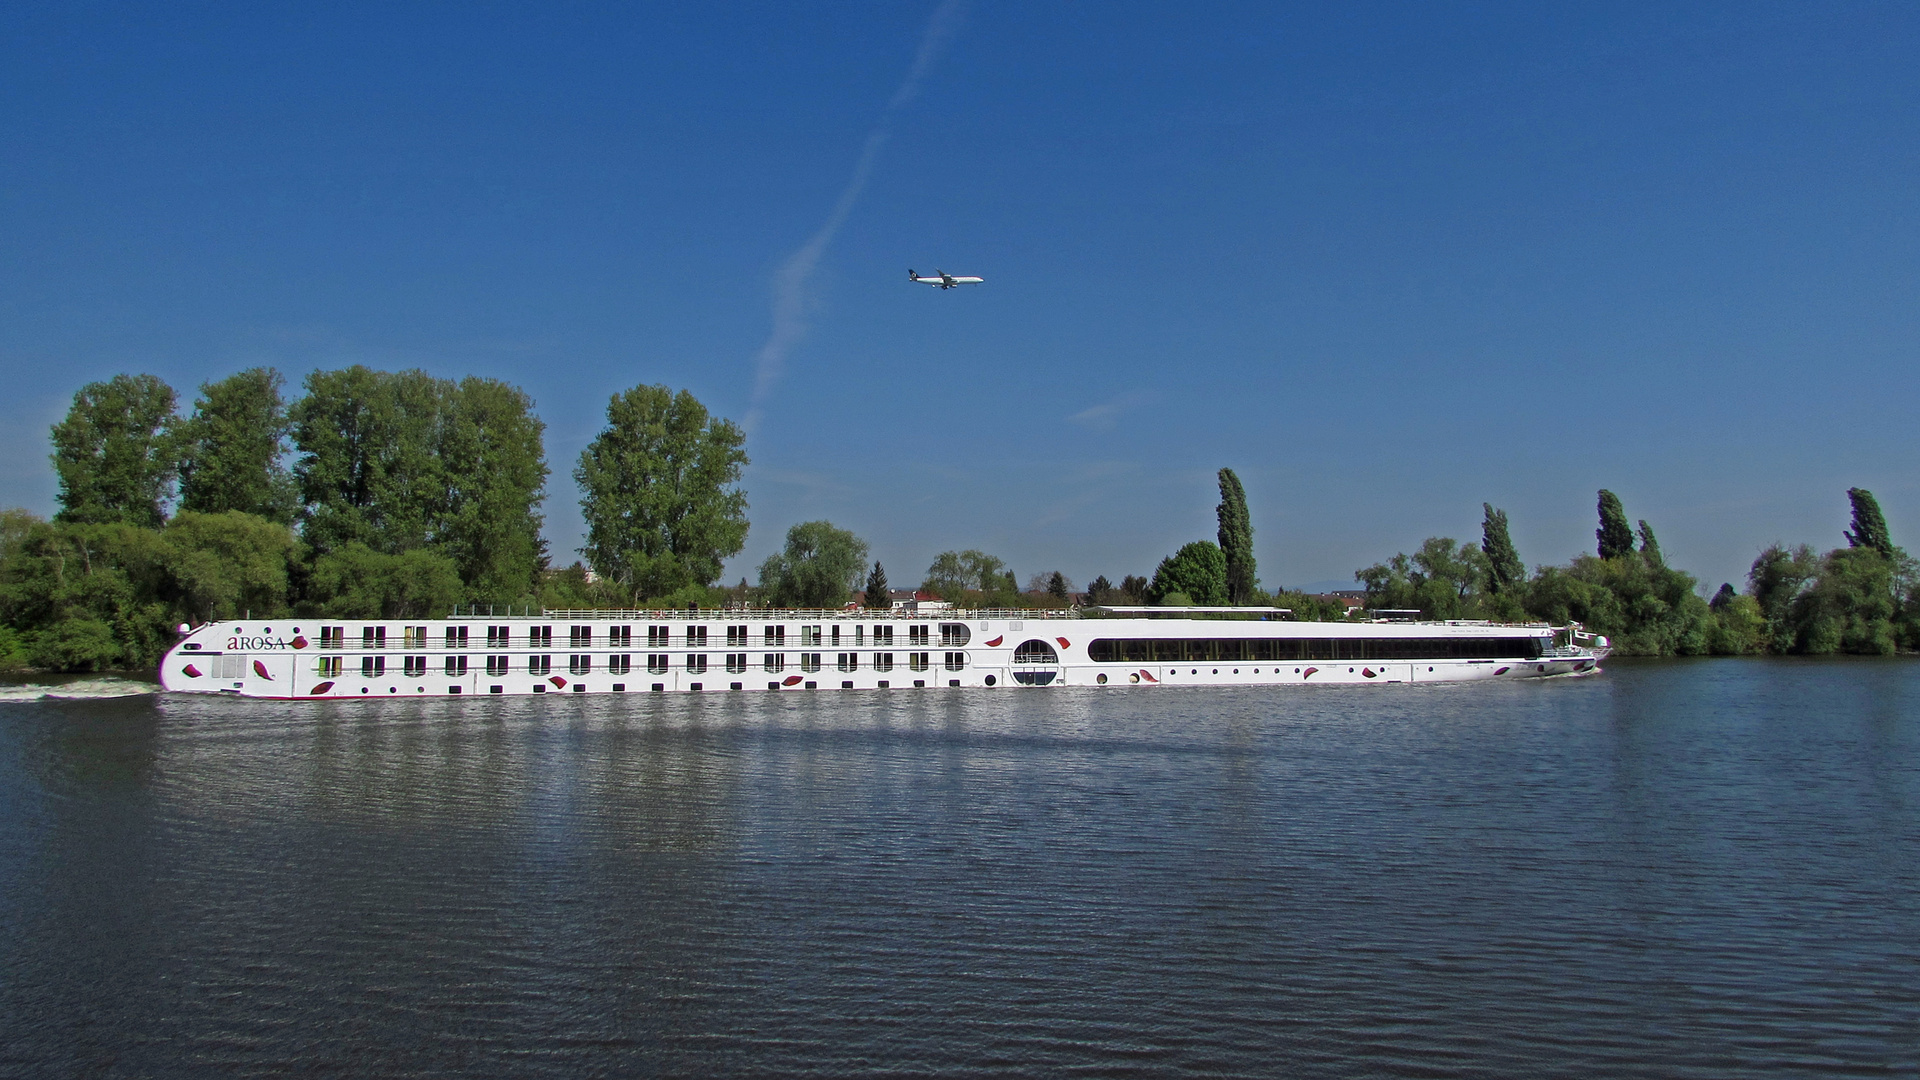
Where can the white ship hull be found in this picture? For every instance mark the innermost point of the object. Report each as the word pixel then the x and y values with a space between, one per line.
pixel 727 652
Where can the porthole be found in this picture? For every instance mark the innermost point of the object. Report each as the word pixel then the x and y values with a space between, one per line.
pixel 990 680
pixel 1102 679
pixel 1216 671
pixel 1134 677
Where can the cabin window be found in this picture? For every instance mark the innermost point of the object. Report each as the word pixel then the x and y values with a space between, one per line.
pixel 849 661
pixel 659 637
pixel 580 664
pixel 956 661
pixel 619 663
pixel 918 635
pixel 456 637
pixel 737 661
pixel 413 637
pixel 619 637
pixel 883 661
pixel 810 635
pixel 736 635
pixel 697 663
pixel 540 637
pixel 657 663
pixel 773 635
pixel 456 665
pixel 329 666
pixel 373 637
pixel 333 637
pixel 1035 651
pixel 539 665
pixel 809 662
pixel 496 665
pixel 917 661
pixel 373 665
pixel 836 633
pixel 773 661
pixel 883 635
pixel 580 637
pixel 497 637
pixel 953 634
pixel 696 637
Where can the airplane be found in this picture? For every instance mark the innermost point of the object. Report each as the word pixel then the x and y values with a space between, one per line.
pixel 944 280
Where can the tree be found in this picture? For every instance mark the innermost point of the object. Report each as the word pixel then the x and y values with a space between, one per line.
pixel 879 597
pixel 1198 570
pixel 1505 571
pixel 954 574
pixel 354 581
pixel 115 452
pixel 1650 547
pixel 492 449
pixel 659 490
pixel 1236 539
pixel 1134 588
pixel 818 568
pixel 1615 536
pixel 1059 587
pixel 1442 580
pixel 1775 581
pixel 1869 525
pixel 231 448
pixel 224 565
pixel 1100 590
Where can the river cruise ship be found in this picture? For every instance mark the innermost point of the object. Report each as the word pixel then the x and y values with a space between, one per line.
pixel 719 651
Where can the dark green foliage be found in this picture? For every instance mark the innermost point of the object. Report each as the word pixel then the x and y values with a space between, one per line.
pixel 1236 539
pixel 1503 565
pixel 1307 608
pixel 1721 599
pixel 1441 580
pixel 1851 606
pixel 972 579
pixel 659 490
pixel 879 596
pixel 1133 589
pixel 1647 610
pixel 225 565
pixel 354 581
pixel 817 569
pixel 1869 525
pixel 1775 581
pixel 1100 591
pixel 402 461
pixel 1197 572
pixel 1058 587
pixel 115 452
pixel 1650 547
pixel 231 449
pixel 1616 538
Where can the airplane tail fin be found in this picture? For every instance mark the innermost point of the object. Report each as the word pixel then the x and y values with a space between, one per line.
pixel 911 276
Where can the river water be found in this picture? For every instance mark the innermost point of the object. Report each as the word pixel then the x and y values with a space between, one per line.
pixel 1672 869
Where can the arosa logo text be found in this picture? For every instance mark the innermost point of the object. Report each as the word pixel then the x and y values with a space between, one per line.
pixel 264 644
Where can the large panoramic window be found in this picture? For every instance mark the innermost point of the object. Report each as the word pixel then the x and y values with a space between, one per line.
pixel 1279 650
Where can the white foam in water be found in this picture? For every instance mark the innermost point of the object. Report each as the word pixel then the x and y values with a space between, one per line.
pixel 80 688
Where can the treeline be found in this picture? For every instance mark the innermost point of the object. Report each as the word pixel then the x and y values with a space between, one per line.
pixel 1863 598
pixel 372 494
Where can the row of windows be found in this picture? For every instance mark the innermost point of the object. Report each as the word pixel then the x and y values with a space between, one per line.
pixel 657 663
pixel 658 636
pixel 1209 650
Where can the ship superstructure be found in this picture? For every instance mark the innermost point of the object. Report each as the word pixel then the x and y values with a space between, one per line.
pixel 627 652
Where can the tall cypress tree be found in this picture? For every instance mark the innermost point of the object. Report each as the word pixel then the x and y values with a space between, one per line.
pixel 1650 547
pixel 1869 525
pixel 1615 535
pixel 878 596
pixel 1236 538
pixel 1504 568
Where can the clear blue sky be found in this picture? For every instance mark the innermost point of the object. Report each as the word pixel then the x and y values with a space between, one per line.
pixel 1388 261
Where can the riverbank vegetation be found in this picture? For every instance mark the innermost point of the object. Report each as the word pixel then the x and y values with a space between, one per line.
pixel 398 495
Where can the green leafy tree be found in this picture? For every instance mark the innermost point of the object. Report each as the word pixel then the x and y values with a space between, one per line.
pixel 1236 539
pixel 879 596
pixel 1615 536
pixel 115 453
pixel 1645 608
pixel 1505 571
pixel 818 568
pixel 1133 588
pixel 1650 547
pixel 492 449
pixel 1851 606
pixel 1869 524
pixel 1442 580
pixel 354 581
pixel 228 564
pixel 1777 578
pixel 231 448
pixel 660 492
pixel 966 576
pixel 1198 571
pixel 1059 587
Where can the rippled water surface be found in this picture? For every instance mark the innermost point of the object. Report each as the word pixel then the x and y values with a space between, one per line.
pixel 1683 869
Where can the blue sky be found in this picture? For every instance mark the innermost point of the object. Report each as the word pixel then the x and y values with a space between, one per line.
pixel 1388 261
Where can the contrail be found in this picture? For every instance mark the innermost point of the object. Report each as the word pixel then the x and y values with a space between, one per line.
pixel 790 281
